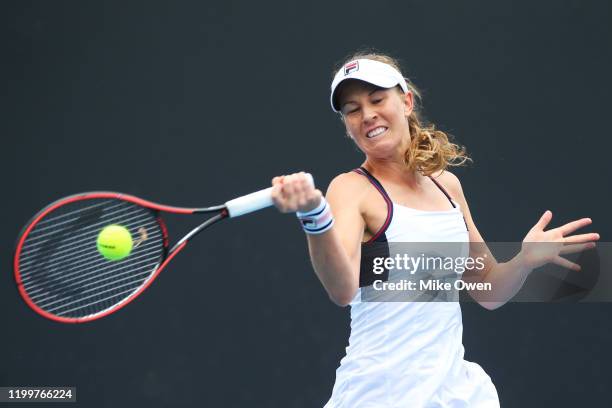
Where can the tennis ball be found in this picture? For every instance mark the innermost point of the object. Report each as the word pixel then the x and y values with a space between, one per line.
pixel 114 242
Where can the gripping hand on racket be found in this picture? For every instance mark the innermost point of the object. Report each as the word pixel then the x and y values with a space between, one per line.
pixel 295 193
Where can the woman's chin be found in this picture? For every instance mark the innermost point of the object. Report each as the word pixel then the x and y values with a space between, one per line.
pixel 383 148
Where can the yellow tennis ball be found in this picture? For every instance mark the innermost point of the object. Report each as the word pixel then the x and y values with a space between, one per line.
pixel 114 242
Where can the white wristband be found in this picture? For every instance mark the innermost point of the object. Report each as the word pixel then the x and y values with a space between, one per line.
pixel 318 220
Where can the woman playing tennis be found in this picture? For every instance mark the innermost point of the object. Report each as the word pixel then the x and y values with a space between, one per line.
pixel 402 354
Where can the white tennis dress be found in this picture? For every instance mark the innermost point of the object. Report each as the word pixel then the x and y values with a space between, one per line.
pixel 410 354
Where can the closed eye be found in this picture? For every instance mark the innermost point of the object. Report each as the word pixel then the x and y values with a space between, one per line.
pixel 377 98
pixel 350 109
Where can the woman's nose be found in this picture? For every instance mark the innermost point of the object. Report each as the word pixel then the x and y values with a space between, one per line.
pixel 369 114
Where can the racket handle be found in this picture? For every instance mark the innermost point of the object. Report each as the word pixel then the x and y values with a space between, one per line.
pixel 254 201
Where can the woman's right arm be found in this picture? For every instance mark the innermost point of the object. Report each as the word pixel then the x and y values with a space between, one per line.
pixel 335 254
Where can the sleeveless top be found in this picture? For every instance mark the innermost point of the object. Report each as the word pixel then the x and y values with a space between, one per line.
pixel 407 353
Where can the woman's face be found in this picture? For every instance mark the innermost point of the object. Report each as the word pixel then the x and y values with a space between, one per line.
pixel 376 118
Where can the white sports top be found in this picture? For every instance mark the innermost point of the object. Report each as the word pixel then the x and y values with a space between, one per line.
pixel 410 354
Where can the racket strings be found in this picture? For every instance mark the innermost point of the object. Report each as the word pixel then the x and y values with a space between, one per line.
pixel 80 252
pixel 45 296
pixel 34 244
pixel 96 291
pixel 61 269
pixel 96 307
pixel 80 276
pixel 56 223
pixel 72 246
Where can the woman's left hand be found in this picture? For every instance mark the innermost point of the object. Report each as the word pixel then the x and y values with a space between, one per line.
pixel 541 247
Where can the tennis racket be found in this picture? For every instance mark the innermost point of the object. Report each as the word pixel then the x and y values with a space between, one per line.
pixel 61 273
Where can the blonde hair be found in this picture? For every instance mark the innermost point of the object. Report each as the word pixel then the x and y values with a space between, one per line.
pixel 431 150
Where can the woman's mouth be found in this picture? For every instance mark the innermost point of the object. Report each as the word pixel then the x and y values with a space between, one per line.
pixel 376 132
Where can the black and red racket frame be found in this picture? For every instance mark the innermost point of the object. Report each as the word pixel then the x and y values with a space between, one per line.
pixel 167 254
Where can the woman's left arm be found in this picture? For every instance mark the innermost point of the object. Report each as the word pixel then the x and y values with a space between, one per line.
pixel 507 278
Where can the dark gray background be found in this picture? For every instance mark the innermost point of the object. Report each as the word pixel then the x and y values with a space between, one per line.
pixel 193 103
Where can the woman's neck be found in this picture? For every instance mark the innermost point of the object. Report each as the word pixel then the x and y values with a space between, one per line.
pixel 393 171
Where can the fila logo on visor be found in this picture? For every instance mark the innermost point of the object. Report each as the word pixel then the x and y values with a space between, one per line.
pixel 351 67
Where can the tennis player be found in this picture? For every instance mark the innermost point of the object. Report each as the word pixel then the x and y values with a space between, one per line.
pixel 402 354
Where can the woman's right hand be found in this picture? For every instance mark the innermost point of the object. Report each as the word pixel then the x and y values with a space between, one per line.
pixel 295 192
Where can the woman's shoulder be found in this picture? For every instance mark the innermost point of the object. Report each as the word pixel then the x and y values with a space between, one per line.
pixel 349 183
pixel 349 179
pixel 449 181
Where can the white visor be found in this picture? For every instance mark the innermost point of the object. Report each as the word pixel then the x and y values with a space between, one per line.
pixel 373 72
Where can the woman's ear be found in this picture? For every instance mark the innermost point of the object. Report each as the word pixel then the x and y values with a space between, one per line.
pixel 408 103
